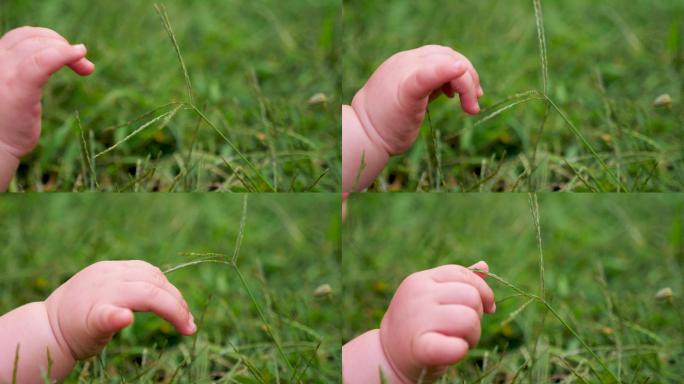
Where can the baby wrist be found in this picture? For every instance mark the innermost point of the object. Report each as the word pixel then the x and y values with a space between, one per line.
pixel 364 361
pixel 9 163
pixel 29 328
pixel 51 308
pixel 362 158
pixel 358 106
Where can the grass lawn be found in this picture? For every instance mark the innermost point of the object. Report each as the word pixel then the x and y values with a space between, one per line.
pixel 263 113
pixel 594 126
pixel 290 248
pixel 605 259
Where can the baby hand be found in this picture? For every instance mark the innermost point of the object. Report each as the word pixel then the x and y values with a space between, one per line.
pixel 392 104
pixel 28 57
pixel 433 320
pixel 86 311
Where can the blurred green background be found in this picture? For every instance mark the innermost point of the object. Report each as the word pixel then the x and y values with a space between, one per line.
pixel 290 248
pixel 254 66
pixel 607 60
pixel 606 257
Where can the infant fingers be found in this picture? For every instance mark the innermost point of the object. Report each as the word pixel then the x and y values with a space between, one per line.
pixel 482 266
pixel 455 320
pixel 431 75
pixel 457 273
pixel 147 297
pixel 16 36
pixel 83 67
pixel 467 90
pixel 460 293
pixel 108 319
pixel 473 72
pixel 38 67
pixel 471 68
pixel 141 271
pixel 430 51
pixel 436 349
pixel 445 72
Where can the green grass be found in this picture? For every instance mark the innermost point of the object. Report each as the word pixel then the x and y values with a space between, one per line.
pixel 236 116
pixel 569 93
pixel 259 318
pixel 574 304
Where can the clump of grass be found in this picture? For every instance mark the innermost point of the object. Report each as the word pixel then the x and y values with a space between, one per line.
pixel 541 297
pixel 530 95
pixel 434 155
pixel 232 261
pixel 531 297
pixel 190 105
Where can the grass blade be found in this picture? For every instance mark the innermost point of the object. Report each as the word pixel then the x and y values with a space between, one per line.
pixel 584 141
pixel 88 158
pixel 161 10
pixel 241 231
pixel 195 262
pixel 166 117
pixel 534 210
pixel 316 181
pixel 541 36
pixel 511 316
pixel 527 96
pixel 15 367
pixel 234 147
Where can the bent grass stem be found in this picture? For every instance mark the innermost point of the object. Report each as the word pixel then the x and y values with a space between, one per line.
pixel 232 262
pixel 547 305
pixel 537 95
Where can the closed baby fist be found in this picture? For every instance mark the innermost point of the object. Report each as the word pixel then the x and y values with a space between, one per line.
pixel 392 104
pixel 433 320
pixel 86 311
pixel 28 57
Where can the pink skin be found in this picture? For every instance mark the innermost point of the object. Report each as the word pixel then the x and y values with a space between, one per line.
pixel 385 116
pixel 79 318
pixel 28 57
pixel 431 323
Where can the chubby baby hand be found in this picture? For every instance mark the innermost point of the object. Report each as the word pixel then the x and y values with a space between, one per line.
pixel 28 57
pixel 392 104
pixel 434 319
pixel 86 311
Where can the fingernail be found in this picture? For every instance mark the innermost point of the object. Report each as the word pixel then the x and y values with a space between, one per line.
pixel 494 308
pixel 80 47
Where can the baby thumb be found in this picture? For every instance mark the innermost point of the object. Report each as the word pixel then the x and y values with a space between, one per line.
pixel 480 266
pixel 108 319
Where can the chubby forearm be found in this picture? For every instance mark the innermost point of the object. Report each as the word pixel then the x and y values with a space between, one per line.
pixel 362 158
pixel 8 167
pixel 364 361
pixel 29 328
